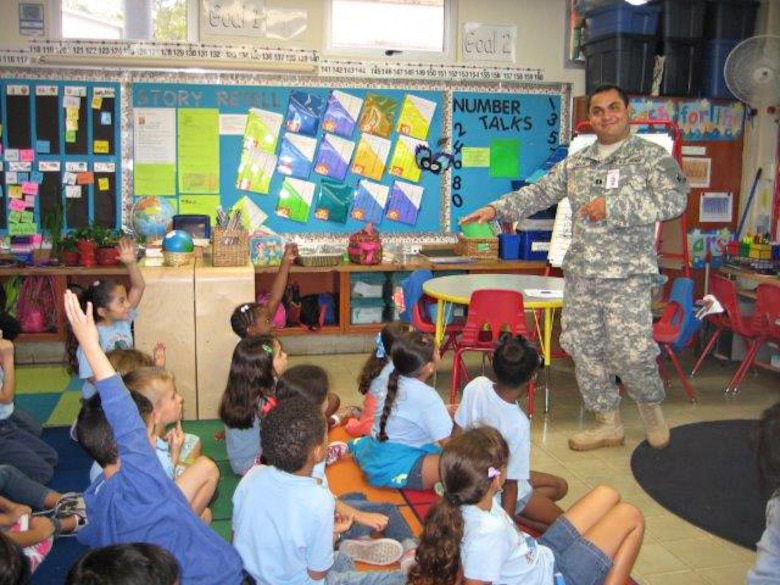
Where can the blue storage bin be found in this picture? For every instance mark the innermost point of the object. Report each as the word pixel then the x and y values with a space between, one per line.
pixel 367 285
pixel 715 55
pixel 683 19
pixel 534 244
pixel 508 246
pixel 622 18
pixel 624 59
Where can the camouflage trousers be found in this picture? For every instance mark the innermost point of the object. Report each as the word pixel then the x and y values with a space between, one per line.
pixel 607 328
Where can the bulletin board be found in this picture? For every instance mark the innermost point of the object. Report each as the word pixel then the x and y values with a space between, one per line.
pixel 61 140
pixel 482 139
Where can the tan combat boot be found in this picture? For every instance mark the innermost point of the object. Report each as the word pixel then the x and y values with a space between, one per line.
pixel 655 425
pixel 607 432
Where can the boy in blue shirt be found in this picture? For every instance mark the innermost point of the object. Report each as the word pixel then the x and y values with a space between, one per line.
pixel 284 520
pixel 133 500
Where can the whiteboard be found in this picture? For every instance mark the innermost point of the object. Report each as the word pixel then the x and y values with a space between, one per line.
pixel 560 240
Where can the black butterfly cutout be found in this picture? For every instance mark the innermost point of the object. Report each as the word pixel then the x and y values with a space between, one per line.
pixel 427 160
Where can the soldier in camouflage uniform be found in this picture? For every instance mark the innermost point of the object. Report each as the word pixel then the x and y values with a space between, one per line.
pixel 619 188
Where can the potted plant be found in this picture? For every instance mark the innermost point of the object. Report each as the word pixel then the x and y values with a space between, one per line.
pixel 87 246
pixel 68 250
pixel 107 240
pixel 51 228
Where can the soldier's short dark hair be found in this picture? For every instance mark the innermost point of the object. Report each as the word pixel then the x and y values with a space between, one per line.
pixel 605 88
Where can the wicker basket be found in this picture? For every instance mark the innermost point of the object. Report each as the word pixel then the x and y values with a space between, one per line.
pixel 177 258
pixel 229 247
pixel 477 247
pixel 319 260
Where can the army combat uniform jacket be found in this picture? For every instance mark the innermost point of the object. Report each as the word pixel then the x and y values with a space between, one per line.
pixel 642 185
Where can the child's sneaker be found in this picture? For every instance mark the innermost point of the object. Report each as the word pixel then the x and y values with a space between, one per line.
pixel 379 551
pixel 70 504
pixel 336 450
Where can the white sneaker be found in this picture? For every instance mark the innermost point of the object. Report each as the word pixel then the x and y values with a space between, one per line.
pixel 373 551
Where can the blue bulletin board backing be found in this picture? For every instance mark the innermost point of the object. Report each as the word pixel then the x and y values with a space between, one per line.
pixel 238 99
pixel 498 138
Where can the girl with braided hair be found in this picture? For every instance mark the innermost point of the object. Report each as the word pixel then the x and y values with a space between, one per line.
pixel 413 424
pixel 468 534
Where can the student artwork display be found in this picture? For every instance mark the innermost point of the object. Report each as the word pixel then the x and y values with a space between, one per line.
pixel 296 155
pixel 342 113
pixel 295 199
pixel 371 157
pixel 303 113
pixel 378 115
pixel 404 202
pixel 334 156
pixel 334 201
pixel 370 200
pixel 403 163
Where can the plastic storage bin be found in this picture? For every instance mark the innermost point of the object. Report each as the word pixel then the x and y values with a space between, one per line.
pixel 730 20
pixel 508 246
pixel 683 19
pixel 367 285
pixel 714 83
pixel 621 18
pixel 682 67
pixel 366 311
pixel 534 245
pixel 626 60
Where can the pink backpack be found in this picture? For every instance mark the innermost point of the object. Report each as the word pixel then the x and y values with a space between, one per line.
pixel 36 308
pixel 365 246
pixel 280 318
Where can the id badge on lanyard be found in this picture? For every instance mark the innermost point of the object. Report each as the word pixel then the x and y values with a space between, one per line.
pixel 613 178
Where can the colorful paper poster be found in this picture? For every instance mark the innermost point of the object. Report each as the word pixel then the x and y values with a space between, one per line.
pixel 262 130
pixel 475 157
pixel 342 113
pixel 333 201
pixel 378 115
pixel 199 204
pixel 403 163
pixel 295 199
pixel 255 171
pixel 404 202
pixel 303 113
pixel 154 151
pixel 370 201
pixel 198 150
pixel 296 155
pixel 416 116
pixel 334 157
pixel 371 156
pixel 504 159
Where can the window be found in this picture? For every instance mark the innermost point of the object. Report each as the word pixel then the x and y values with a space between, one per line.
pixel 106 19
pixel 417 26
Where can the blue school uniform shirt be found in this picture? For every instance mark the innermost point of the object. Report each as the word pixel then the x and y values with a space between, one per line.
pixel 283 526
pixel 118 335
pixel 140 503
pixel 494 549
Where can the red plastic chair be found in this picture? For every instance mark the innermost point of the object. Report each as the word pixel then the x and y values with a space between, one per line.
pixel 491 313
pixel 731 318
pixel 765 326
pixel 423 323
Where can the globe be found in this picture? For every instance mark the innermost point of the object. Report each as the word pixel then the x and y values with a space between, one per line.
pixel 178 241
pixel 153 217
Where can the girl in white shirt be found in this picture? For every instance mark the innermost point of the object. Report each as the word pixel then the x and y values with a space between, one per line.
pixel 596 541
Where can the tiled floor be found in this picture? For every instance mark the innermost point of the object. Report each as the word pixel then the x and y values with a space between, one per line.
pixel 674 552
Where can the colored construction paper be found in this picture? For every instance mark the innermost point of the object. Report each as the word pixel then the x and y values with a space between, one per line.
pixel 303 112
pixel 262 130
pixel 17 205
pixel 72 192
pixel 252 217
pixel 103 184
pixel 26 155
pixel 403 163
pixel 416 116
pixel 341 113
pixel 29 188
pixel 100 147
pixel 404 202
pixel 21 229
pixel 97 102
pixel 295 199
pixel 199 204
pixel 12 155
pixel 70 136
pixel 475 157
pixel 371 156
pixel 255 171
pixel 296 155
pixel 333 201
pixel 504 159
pixel 370 200
pixel 86 178
pixel 334 157
pixel 42 146
pixel 15 191
pixel 36 177
pixel 378 115
pixel 198 150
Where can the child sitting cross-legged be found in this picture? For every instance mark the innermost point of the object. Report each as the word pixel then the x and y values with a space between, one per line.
pixel 596 541
pixel 285 522
pixel 198 480
pixel 134 500
pixel 530 495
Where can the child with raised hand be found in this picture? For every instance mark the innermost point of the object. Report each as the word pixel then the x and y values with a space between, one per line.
pixel 406 439
pixel 114 309
pixel 596 541
pixel 198 479
pixel 528 494
pixel 285 521
pixel 369 518
pixel 256 319
pixel 372 381
pixel 134 500
pixel 766 443
pixel 249 394
pixel 20 435
pixel 136 563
